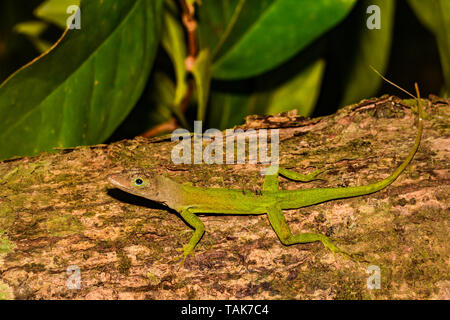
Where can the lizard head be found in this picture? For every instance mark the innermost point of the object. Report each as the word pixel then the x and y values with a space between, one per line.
pixel 143 184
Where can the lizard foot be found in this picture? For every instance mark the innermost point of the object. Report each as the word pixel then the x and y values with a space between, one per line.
pixel 345 254
pixel 327 242
pixel 186 250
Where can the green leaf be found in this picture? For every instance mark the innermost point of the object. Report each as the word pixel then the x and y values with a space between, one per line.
pixel 295 85
pixel 218 18
pixel 372 48
pixel 80 91
pixel 55 11
pixel 154 107
pixel 300 92
pixel 202 74
pixel 228 109
pixel 263 34
pixel 33 30
pixel 173 41
pixel 161 97
pixel 435 15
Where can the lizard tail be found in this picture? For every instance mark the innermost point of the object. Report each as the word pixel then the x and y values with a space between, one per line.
pixel 327 194
pixel 385 182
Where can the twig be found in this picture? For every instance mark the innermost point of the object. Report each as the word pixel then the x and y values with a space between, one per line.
pixel 161 128
pixel 191 27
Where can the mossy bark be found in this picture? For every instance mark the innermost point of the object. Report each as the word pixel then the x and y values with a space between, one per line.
pixel 57 210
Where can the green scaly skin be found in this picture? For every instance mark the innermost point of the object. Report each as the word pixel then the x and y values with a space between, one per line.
pixel 189 200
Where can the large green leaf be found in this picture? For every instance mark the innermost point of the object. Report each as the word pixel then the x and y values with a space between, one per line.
pixel 435 15
pixel 256 36
pixel 371 48
pixel 81 90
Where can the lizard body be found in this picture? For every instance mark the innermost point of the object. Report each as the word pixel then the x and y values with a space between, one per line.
pixel 189 200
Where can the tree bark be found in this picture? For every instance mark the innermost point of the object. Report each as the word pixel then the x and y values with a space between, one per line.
pixel 57 210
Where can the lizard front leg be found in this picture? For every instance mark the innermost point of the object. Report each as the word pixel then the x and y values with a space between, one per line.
pixel 298 176
pixel 199 229
pixel 281 228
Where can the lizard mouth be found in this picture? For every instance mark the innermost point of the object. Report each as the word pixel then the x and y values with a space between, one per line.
pixel 122 183
pixel 118 182
pixel 112 179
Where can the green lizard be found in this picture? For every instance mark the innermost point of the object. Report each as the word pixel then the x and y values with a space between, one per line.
pixel 189 200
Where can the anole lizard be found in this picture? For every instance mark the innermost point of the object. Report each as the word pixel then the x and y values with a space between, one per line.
pixel 189 200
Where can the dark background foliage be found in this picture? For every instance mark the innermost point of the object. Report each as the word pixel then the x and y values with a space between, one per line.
pixel 276 56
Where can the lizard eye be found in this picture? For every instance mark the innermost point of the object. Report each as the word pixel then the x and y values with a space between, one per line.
pixel 138 182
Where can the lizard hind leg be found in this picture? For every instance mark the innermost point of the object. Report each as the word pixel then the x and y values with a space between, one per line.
pixel 281 228
pixel 298 176
pixel 271 180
